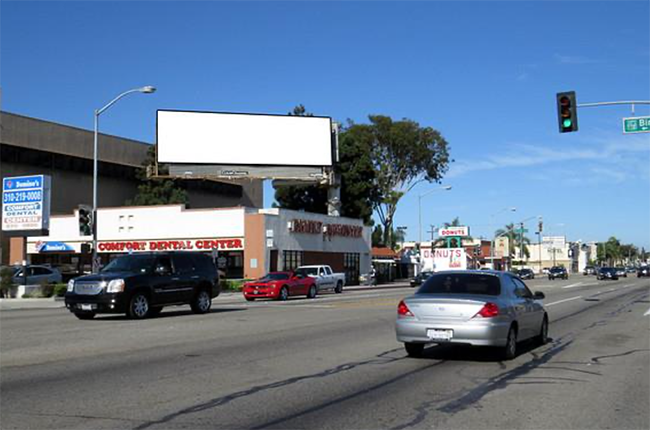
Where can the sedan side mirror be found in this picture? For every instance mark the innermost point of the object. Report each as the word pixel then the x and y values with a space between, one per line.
pixel 539 295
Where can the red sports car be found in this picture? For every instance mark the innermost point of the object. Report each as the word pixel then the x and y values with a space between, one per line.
pixel 279 286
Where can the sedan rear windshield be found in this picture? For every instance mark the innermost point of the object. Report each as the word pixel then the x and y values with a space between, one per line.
pixel 461 283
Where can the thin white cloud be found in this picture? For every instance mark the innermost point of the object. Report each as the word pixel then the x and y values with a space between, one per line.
pixel 627 154
pixel 575 59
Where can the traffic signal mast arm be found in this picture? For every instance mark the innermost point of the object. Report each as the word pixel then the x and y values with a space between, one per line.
pixel 631 102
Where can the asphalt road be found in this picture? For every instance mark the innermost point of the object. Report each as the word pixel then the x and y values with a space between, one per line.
pixel 328 363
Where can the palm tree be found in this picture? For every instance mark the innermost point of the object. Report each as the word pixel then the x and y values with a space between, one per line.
pixel 513 238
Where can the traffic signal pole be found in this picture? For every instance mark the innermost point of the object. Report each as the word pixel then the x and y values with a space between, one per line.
pixel 630 102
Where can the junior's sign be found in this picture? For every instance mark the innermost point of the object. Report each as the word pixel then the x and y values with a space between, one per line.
pixel 26 205
pixel 318 227
pixel 171 245
pixel 454 231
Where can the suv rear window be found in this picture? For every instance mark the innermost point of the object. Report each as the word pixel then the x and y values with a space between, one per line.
pixel 460 283
pixel 131 263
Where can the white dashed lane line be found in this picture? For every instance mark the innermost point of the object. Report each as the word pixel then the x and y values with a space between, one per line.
pixel 573 285
pixel 562 301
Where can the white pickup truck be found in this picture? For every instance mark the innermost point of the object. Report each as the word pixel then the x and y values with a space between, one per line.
pixel 325 278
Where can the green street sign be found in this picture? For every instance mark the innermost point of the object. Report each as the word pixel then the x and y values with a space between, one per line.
pixel 639 124
pixel 521 230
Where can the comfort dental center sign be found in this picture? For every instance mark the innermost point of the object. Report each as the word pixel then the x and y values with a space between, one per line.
pixel 172 245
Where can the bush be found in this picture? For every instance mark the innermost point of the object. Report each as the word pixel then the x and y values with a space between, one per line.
pixel 60 289
pixel 232 285
pixel 6 281
pixel 47 290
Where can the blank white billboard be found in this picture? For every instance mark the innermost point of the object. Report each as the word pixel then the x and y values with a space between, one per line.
pixel 243 139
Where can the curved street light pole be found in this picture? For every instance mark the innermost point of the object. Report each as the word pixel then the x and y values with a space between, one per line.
pixel 146 90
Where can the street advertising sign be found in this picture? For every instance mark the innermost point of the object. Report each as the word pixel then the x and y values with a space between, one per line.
pixel 26 205
pixel 501 246
pixel 639 124
pixel 454 231
pixel 441 259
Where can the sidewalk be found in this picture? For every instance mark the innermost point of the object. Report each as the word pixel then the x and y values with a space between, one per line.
pixel 54 303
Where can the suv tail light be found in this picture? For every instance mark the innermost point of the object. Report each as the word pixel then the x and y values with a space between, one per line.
pixel 403 310
pixel 488 310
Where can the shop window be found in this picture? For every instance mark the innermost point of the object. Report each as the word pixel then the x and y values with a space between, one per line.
pixel 351 266
pixel 292 260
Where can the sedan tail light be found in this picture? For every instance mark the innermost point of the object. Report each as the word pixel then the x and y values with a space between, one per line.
pixel 403 311
pixel 488 310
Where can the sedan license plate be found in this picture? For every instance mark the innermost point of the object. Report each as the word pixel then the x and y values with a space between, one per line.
pixel 87 307
pixel 436 334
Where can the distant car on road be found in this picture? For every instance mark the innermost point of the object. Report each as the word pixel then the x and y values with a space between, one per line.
pixel 557 272
pixel 643 271
pixel 476 308
pixel 140 285
pixel 280 286
pixel 420 278
pixel 589 270
pixel 607 273
pixel 526 274
pixel 36 275
pixel 620 271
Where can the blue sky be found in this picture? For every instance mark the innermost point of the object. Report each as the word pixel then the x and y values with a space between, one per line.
pixel 484 74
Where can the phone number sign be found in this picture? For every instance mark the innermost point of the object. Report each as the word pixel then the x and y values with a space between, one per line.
pixel 26 205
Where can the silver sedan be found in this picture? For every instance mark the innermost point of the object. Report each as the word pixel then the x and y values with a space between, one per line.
pixel 481 308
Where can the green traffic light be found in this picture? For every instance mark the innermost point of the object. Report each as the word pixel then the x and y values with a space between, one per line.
pixel 566 123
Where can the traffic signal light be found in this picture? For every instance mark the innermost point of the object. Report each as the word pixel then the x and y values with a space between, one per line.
pixel 85 220
pixel 567 111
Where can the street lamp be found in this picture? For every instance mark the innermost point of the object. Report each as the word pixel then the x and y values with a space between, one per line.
pixel 146 90
pixel 511 209
pixel 443 188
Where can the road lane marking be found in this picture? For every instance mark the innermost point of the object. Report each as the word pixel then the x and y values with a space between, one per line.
pixel 573 285
pixel 562 301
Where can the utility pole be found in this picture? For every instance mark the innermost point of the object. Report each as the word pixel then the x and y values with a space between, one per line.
pixel 432 231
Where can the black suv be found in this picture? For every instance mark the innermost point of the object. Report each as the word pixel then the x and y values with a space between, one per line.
pixel 557 272
pixel 140 285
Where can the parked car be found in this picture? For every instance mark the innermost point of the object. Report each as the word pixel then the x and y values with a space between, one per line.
pixel 630 269
pixel 643 271
pixel 36 275
pixel 325 278
pixel 526 274
pixel 280 286
pixel 140 285
pixel 620 271
pixel 589 270
pixel 557 272
pixel 545 270
pixel 420 278
pixel 607 273
pixel 471 308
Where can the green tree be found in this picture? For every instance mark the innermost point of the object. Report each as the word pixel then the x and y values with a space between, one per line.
pixel 609 252
pixel 357 180
pixel 403 154
pixel 378 236
pixel 154 191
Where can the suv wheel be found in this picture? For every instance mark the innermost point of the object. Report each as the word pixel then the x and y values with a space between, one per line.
pixel 202 302
pixel 139 306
